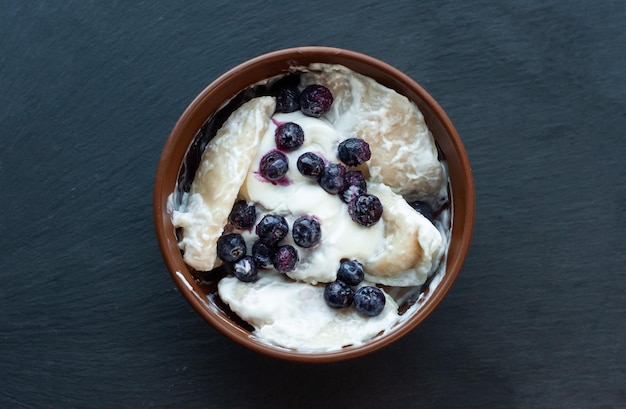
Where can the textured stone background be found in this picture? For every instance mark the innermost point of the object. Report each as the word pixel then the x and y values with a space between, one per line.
pixel 89 91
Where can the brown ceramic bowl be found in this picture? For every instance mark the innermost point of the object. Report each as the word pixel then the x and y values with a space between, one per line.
pixel 200 292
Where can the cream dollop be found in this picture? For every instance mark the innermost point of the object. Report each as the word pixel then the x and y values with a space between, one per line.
pixel 341 237
pixel 401 249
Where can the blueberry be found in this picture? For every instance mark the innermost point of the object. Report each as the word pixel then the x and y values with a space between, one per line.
pixel 354 151
pixel 242 215
pixel 287 100
pixel 274 165
pixel 310 165
pixel 365 210
pixel 262 254
pixel 424 208
pixel 285 258
pixel 350 272
pixel 272 228
pixel 306 231
pixel 350 193
pixel 338 294
pixel 332 179
pixel 369 300
pixel 356 178
pixel 355 185
pixel 231 247
pixel 289 136
pixel 245 269
pixel 315 100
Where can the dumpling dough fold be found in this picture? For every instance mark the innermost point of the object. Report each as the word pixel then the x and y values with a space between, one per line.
pixel 224 165
pixel 412 246
pixel 404 154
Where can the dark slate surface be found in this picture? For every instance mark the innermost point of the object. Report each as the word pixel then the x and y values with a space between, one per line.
pixel 89 316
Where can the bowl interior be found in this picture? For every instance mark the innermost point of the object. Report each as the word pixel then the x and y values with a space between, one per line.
pixel 189 135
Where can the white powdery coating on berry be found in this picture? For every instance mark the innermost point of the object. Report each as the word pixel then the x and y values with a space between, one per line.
pixel 404 155
pixel 294 315
pixel 223 168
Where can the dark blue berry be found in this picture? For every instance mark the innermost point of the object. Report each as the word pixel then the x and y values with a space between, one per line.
pixel 424 208
pixel 289 136
pixel 274 165
pixel 354 151
pixel 355 185
pixel 315 100
pixel 245 269
pixel 338 294
pixel 310 165
pixel 242 215
pixel 272 228
pixel 262 254
pixel 365 210
pixel 285 258
pixel 287 100
pixel 350 272
pixel 369 300
pixel 332 179
pixel 356 178
pixel 350 193
pixel 231 247
pixel 306 231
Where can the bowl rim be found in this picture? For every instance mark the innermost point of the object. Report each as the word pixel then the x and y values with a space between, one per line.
pixel 167 240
